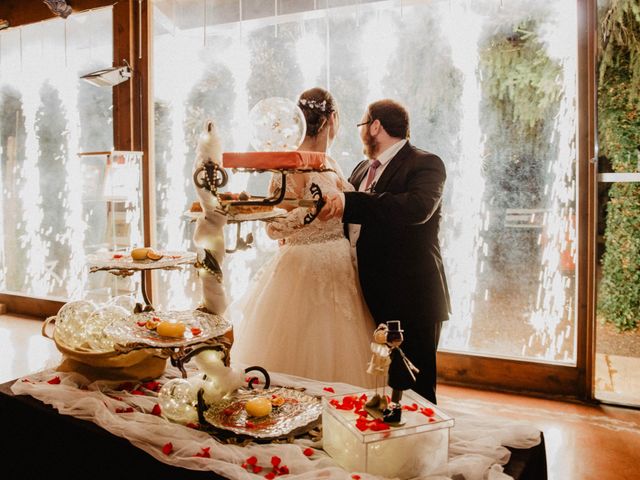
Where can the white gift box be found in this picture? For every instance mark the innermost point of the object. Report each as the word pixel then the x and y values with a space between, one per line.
pixel 420 446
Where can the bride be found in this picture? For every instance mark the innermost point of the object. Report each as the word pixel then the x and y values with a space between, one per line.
pixel 304 314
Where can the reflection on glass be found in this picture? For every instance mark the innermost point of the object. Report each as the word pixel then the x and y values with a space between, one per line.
pixel 508 232
pixel 46 118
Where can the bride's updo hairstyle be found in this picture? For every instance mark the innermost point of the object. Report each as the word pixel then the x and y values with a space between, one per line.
pixel 317 104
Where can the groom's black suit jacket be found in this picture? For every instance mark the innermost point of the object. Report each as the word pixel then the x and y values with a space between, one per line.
pixel 398 251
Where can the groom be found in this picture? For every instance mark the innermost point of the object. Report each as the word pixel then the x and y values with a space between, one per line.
pixel 393 222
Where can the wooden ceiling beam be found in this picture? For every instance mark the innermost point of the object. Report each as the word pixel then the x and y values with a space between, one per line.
pixel 22 12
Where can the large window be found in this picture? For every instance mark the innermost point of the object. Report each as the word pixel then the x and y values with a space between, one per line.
pixel 490 87
pixel 47 117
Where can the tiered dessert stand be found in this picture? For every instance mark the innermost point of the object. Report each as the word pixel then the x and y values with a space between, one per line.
pixel 299 411
pixel 203 331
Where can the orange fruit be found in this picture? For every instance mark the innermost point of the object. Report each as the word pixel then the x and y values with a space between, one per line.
pixel 154 254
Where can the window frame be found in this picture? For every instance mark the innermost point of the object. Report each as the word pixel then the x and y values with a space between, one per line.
pixel 130 101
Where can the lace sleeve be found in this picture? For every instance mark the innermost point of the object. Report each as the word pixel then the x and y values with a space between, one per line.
pixel 294 220
pixel 295 185
pixel 288 225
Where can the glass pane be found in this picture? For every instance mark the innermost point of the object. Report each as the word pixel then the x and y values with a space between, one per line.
pixel 48 116
pixel 508 142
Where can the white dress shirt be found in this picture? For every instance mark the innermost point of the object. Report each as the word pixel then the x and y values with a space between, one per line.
pixel 384 158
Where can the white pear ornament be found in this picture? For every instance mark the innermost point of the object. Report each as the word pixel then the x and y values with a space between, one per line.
pixel 220 380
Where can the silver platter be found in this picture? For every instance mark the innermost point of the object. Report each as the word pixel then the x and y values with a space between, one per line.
pixel 243 217
pixel 299 411
pixel 113 261
pixel 200 327
pixel 264 216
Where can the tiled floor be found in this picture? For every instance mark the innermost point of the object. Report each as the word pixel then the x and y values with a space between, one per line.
pixel 584 442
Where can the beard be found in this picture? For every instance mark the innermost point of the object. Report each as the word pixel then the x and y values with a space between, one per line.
pixel 370 145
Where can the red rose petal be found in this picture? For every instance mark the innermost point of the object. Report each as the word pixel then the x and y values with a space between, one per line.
pixel 156 410
pixel 257 469
pixel 167 448
pixel 204 453
pixel 308 451
pixel 283 470
pixel 137 392
pixel 355 476
pixel 54 381
pixel 270 475
pixel 124 410
pixel 153 386
pixel 193 425
pixel 195 331
pixel 252 460
pixel 427 411
pixel 275 461
pixel 329 389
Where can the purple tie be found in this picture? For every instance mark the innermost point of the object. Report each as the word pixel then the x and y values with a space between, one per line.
pixel 373 166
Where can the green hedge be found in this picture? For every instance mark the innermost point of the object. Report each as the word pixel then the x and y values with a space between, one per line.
pixel 619 141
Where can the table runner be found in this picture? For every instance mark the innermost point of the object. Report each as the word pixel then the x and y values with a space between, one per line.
pixel 477 444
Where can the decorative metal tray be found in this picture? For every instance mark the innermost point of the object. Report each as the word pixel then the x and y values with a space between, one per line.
pixel 122 261
pixel 264 216
pixel 299 412
pixel 243 217
pixel 200 327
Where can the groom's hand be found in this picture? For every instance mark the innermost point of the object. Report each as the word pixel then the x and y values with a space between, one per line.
pixel 332 208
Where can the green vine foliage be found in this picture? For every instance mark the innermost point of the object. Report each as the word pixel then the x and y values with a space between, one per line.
pixel 619 140
pixel 619 132
pixel 521 77
pixel 620 45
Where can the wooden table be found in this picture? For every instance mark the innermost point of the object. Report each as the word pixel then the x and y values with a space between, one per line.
pixel 37 441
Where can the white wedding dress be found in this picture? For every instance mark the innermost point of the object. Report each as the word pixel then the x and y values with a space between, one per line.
pixel 304 313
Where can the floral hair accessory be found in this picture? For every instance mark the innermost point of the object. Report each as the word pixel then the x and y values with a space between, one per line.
pixel 322 106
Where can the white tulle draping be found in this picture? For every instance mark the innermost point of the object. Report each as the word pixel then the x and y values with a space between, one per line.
pixel 477 443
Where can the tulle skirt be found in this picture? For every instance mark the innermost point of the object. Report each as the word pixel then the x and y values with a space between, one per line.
pixel 305 315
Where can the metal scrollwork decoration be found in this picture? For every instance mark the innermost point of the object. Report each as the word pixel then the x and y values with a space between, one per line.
pixel 210 176
pixel 317 194
pixel 211 265
pixel 241 243
pixel 59 7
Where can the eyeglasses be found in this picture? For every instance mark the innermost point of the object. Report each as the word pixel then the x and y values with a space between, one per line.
pixel 364 123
